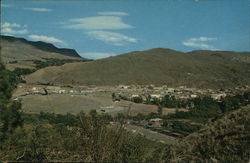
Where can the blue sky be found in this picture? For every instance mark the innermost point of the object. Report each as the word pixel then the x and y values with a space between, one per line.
pixel 101 28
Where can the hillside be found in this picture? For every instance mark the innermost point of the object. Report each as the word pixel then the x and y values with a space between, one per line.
pixel 21 53
pixel 223 140
pixel 203 69
pixel 19 49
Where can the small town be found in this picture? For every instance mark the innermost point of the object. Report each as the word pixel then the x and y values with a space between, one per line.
pixel 125 81
pixel 130 92
pixel 139 99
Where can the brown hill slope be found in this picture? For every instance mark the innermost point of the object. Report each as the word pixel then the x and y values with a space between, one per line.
pixel 226 139
pixel 205 69
pixel 19 49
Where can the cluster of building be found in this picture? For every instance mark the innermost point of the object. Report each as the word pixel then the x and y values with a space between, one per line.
pixel 182 92
pixel 49 90
pixel 130 92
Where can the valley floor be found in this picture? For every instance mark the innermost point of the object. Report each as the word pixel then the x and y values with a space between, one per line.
pixel 62 100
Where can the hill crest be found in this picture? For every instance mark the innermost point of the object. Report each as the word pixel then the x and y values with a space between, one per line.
pixel 154 66
pixel 43 46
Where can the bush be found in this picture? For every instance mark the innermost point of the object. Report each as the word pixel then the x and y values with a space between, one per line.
pixel 10 117
pixel 92 139
pixel 137 99
pixel 181 126
pixel 22 71
pixel 53 62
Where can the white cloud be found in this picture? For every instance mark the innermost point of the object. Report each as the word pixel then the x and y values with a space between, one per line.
pixel 9 25
pixel 202 0
pixel 202 39
pixel 96 27
pixel 113 13
pixel 13 32
pixel 98 23
pixel 12 25
pixel 97 55
pixel 114 38
pixel 45 39
pixel 39 9
pixel 198 45
pixel 12 28
pixel 200 42
pixel 6 5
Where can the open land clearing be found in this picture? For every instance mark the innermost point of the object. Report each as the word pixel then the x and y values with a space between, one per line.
pixel 34 100
pixel 68 100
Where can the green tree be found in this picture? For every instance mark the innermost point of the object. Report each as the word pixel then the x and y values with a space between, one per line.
pixel 10 116
pixel 160 110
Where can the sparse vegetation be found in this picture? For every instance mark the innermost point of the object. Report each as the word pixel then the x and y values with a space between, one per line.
pixel 12 62
pixel 19 72
pixel 53 62
pixel 223 140
pixel 88 138
pixel 184 128
pixel 154 66
pixel 22 71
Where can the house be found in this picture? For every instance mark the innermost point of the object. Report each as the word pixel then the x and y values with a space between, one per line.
pixel 124 87
pixel 193 96
pixel 156 96
pixel 62 91
pixel 218 96
pixel 134 96
pixel 53 88
pixel 155 122
pixel 158 88
pixel 170 90
pixel 34 89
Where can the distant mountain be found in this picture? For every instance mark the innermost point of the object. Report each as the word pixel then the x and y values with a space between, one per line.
pixel 202 69
pixel 13 48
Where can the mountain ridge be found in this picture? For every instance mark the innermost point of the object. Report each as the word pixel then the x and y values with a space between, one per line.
pixel 43 46
pixel 154 66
